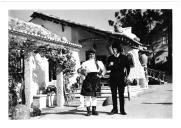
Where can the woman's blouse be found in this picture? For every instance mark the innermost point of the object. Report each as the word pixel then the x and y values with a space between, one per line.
pixel 90 66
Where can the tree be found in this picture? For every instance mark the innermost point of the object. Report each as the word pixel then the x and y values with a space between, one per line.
pixel 141 21
pixel 167 22
pixel 145 22
pixel 20 48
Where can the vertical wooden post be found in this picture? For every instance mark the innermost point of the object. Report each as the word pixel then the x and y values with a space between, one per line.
pixel 60 93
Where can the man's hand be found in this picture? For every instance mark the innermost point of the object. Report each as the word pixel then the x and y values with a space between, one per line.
pixel 126 81
pixel 111 63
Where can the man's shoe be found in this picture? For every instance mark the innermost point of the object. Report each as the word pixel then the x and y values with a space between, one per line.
pixel 114 112
pixel 123 113
pixel 94 112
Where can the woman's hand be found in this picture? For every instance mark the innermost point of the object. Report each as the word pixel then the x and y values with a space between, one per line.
pixel 83 72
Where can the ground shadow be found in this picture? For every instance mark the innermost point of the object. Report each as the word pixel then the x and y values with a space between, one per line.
pixel 163 103
pixel 169 90
pixel 71 106
pixel 72 112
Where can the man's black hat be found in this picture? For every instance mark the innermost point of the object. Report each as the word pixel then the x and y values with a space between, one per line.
pixel 117 45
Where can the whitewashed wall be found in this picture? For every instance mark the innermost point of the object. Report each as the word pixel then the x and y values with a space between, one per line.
pixel 36 76
pixel 136 72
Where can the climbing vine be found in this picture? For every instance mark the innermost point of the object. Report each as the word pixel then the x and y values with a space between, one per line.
pixel 20 48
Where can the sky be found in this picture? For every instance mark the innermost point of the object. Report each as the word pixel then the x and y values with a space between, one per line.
pixel 96 18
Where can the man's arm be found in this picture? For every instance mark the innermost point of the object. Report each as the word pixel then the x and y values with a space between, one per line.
pixel 127 65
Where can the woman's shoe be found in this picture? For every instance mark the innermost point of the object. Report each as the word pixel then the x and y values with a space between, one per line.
pixel 88 111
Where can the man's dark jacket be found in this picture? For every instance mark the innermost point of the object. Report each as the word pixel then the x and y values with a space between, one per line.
pixel 118 69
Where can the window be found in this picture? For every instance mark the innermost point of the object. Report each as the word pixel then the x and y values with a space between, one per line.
pixel 52 70
pixel 63 28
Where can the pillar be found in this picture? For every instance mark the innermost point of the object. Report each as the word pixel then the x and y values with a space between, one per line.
pixel 60 93
pixel 28 81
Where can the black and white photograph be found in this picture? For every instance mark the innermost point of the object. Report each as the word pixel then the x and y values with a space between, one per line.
pixel 94 64
pixel 90 64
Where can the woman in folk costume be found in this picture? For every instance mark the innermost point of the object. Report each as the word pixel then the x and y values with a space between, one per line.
pixel 91 87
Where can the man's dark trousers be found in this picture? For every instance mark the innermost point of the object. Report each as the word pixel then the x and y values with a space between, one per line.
pixel 117 84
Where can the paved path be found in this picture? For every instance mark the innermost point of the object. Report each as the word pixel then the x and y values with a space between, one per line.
pixel 156 102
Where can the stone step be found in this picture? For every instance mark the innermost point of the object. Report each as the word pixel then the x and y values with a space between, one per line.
pixel 105 91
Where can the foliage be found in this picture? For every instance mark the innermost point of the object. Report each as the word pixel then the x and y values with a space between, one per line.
pixel 21 112
pixel 20 48
pixel 145 24
pixel 36 112
pixel 141 21
pixel 26 38
pixel 13 98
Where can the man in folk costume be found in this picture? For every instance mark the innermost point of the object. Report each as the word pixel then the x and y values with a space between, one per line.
pixel 91 87
pixel 118 62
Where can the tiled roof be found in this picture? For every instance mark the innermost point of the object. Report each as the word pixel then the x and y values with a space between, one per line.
pixel 37 31
pixel 59 20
